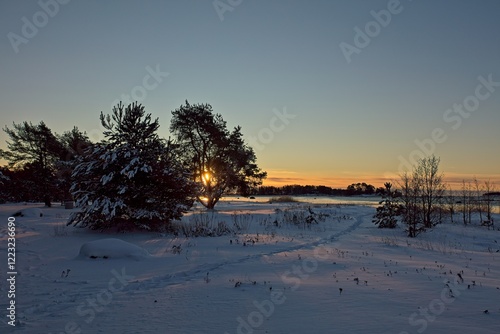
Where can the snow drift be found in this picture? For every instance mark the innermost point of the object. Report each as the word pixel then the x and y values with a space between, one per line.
pixel 112 249
pixel 29 212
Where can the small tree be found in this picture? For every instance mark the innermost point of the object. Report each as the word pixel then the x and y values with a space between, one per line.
pixel 466 199
pixel 132 179
pixel 489 188
pixel 451 205
pixel 386 216
pixel 410 211
pixel 219 160
pixel 479 198
pixel 422 193
pixel 432 190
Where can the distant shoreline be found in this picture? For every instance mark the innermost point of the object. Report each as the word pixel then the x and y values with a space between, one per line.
pixel 370 200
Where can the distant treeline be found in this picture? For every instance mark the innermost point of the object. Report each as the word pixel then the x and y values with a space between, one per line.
pixel 354 189
pixel 297 190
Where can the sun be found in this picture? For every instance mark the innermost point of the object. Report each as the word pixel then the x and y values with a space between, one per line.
pixel 206 177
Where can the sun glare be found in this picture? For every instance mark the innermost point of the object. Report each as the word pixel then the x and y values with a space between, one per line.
pixel 206 177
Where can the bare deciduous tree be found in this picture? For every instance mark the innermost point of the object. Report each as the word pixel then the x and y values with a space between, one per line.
pixel 451 204
pixel 479 198
pixel 489 188
pixel 422 193
pixel 410 215
pixel 432 189
pixel 466 199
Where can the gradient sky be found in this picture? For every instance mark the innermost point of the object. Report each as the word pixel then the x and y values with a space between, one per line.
pixel 352 121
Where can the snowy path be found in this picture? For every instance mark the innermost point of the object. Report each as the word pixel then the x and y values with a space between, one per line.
pixel 201 271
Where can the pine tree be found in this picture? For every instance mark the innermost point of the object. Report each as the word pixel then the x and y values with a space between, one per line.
pixel 74 143
pixel 219 160
pixel 389 209
pixel 130 180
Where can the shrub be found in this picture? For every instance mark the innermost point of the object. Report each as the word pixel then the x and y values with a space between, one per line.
pixel 282 199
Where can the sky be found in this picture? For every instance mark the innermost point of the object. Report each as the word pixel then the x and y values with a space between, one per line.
pixel 326 92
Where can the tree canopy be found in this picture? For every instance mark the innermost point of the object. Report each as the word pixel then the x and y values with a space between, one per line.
pixel 36 149
pixel 132 179
pixel 219 159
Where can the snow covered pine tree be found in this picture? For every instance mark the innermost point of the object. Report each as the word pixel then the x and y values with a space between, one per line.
pixel 389 209
pixel 131 179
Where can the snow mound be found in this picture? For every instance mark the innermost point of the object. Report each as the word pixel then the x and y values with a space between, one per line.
pixel 112 249
pixel 30 212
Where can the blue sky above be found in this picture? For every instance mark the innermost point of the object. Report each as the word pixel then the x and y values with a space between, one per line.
pixel 352 120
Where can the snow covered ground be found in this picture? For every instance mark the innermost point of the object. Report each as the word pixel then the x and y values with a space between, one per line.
pixel 277 274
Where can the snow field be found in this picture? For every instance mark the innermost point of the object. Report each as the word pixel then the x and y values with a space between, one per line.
pixel 275 275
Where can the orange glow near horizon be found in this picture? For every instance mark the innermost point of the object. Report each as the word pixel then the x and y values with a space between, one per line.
pixel 279 178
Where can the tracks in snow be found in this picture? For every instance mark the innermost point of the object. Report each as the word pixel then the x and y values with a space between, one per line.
pixel 199 273
pixel 67 297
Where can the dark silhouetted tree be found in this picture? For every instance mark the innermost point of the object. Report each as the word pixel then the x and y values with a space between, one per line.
pixel 75 143
pixel 360 189
pixel 489 187
pixel 389 209
pixel 4 181
pixel 37 147
pixel 467 207
pixel 219 160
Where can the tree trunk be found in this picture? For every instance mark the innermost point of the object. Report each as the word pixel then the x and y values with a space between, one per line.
pixel 209 203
